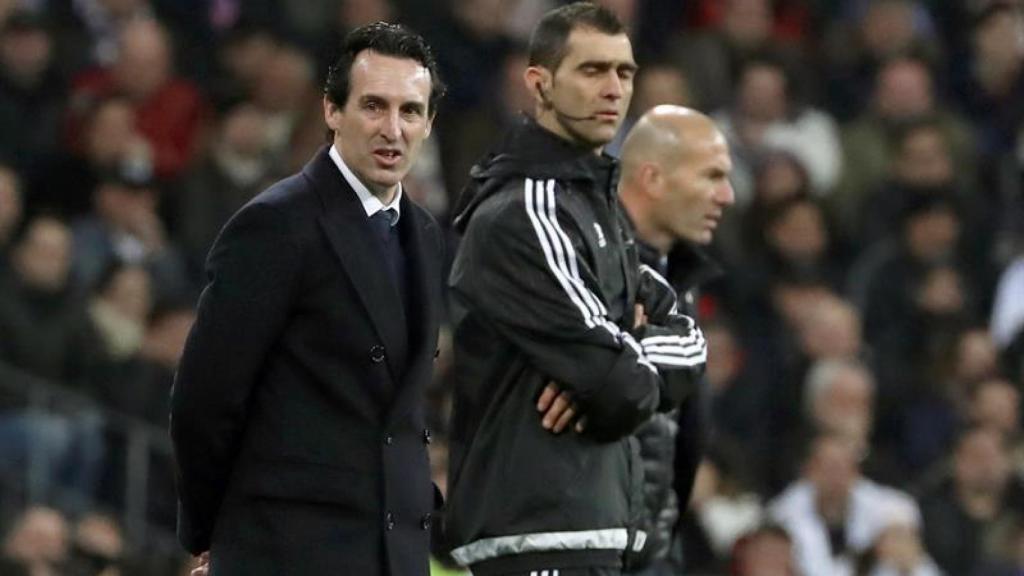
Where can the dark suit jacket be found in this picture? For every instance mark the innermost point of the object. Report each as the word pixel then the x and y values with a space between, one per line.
pixel 297 414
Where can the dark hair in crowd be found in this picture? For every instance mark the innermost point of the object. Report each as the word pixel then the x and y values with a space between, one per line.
pixel 547 45
pixel 389 40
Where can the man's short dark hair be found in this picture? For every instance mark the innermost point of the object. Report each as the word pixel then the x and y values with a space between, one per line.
pixel 386 39
pixel 548 43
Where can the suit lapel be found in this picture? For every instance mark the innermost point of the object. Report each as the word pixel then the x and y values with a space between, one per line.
pixel 348 231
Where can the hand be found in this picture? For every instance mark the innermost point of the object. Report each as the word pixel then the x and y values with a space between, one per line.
pixel 639 315
pixel 203 566
pixel 558 409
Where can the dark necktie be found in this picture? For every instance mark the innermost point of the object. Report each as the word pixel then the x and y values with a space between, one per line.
pixel 387 234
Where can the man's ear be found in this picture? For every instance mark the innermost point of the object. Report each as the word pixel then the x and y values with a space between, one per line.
pixel 652 179
pixel 538 82
pixel 331 113
pixel 430 123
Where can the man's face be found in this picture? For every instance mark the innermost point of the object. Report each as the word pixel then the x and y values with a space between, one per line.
pixel 589 93
pixel 44 255
pixel 380 129
pixel 697 190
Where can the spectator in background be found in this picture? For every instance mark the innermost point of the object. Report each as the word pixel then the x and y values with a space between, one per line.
pixel 11 209
pixel 833 513
pixel 122 301
pixel 169 110
pixel 31 93
pixel 765 551
pixel 862 40
pixel 44 326
pixel 968 505
pixel 766 115
pixel 477 129
pixel 712 59
pixel 722 509
pixel 97 547
pixel 240 59
pixel 904 95
pixel 883 280
pixel 991 85
pixel 285 93
pixel 38 543
pixel 110 141
pixel 92 32
pixel 237 166
pixel 898 550
pixel 125 227
pixel 922 166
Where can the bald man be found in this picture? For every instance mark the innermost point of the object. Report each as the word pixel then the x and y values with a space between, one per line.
pixel 675 188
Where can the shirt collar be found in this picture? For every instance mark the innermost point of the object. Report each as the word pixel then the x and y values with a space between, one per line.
pixel 371 204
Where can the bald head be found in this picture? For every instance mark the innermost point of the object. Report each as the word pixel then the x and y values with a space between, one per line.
pixel 675 176
pixel 664 134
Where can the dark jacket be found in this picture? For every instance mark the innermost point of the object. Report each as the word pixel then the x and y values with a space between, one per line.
pixel 671 444
pixel 543 289
pixel 297 414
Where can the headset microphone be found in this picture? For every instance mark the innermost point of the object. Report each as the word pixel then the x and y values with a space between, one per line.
pixel 551 106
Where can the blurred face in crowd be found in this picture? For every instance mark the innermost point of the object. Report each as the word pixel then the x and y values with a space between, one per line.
pixel 121 206
pixel 747 23
pixel 285 81
pixel 486 18
pixel 799 234
pixel 355 13
pixel 924 158
pixel 38 538
pixel 660 85
pixel 996 406
pixel 932 235
pixel 766 553
pixel 584 100
pixel 941 292
pixel 25 55
pixel 888 27
pixel 844 407
pixel 385 119
pixel 144 61
pixel 999 40
pixel 111 128
pixel 244 131
pixel 10 204
pixel 245 58
pixel 903 89
pixel 43 257
pixel 779 178
pixel 980 463
pixel 762 93
pixel 976 356
pixel 830 328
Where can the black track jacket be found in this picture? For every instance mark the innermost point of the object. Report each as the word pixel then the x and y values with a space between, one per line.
pixel 543 289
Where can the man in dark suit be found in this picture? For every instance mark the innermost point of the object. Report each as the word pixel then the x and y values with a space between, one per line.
pixel 297 415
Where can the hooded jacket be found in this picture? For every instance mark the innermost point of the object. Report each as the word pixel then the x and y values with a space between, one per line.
pixel 543 290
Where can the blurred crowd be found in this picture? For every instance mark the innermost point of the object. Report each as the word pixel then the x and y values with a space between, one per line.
pixel 866 337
